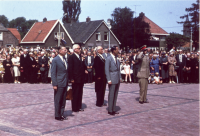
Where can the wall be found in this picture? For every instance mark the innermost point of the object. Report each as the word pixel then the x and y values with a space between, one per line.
pixel 9 38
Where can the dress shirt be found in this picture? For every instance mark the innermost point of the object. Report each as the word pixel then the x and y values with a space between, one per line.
pixel 89 59
pixel 180 57
pixel 61 57
pixel 24 55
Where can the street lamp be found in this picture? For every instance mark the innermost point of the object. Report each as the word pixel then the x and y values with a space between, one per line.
pixel 59 35
pixel 109 26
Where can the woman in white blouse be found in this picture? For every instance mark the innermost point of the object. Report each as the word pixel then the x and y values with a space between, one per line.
pixel 16 64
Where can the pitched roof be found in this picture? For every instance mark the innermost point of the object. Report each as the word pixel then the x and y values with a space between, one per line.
pixel 39 31
pixel 81 31
pixel 15 32
pixel 154 28
pixel 2 28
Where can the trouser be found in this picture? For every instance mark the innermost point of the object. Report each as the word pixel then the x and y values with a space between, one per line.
pixel 60 101
pixel 44 76
pixel 100 88
pixel 134 75
pixel 77 94
pixel 143 83
pixel 112 96
pixel 89 80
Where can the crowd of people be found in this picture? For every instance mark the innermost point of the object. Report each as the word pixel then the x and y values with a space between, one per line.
pixel 33 65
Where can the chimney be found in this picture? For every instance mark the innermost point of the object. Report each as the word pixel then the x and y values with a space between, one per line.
pixel 44 20
pixel 87 19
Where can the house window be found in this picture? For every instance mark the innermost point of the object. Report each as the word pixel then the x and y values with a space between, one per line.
pixel 105 36
pixel 98 36
pixel 1 35
pixel 62 35
pixel 9 45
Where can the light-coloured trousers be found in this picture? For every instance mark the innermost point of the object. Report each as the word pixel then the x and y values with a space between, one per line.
pixel 112 96
pixel 143 83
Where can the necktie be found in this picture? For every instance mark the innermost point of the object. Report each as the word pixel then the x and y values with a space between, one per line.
pixel 64 59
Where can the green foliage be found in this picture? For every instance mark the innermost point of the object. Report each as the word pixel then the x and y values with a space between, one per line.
pixel 176 40
pixel 22 25
pixel 4 20
pixel 73 10
pixel 132 32
pixel 194 22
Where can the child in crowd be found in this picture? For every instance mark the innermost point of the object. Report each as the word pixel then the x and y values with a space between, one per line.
pixel 127 71
pixel 151 79
pixel 157 79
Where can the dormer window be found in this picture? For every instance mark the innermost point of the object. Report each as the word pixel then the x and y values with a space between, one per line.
pixel 98 36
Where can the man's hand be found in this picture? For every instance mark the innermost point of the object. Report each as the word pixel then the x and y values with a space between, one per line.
pixel 86 72
pixel 55 88
pixel 152 68
pixel 133 62
pixel 110 83
pixel 88 67
pixel 197 67
pixel 99 78
pixel 42 65
pixel 21 67
pixel 33 65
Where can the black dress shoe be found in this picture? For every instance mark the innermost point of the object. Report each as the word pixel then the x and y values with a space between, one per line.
pixel 64 118
pixel 111 113
pixel 75 110
pixel 140 102
pixel 116 112
pixel 98 106
pixel 81 109
pixel 59 118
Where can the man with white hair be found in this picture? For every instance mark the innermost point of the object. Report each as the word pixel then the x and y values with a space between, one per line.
pixel 24 66
pixel 43 64
pixel 100 77
pixel 181 62
pixel 77 77
pixel 32 70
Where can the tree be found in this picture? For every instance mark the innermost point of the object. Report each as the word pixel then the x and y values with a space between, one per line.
pixel 22 25
pixel 73 10
pixel 131 32
pixel 4 20
pixel 177 40
pixel 194 22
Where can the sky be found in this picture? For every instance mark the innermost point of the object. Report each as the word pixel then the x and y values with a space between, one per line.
pixel 165 13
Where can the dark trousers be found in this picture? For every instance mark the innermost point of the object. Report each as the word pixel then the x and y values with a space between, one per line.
pixel 77 96
pixel 100 88
pixel 24 75
pixel 90 76
pixel 33 76
pixel 134 75
pixel 44 76
pixel 60 101
pixel 180 74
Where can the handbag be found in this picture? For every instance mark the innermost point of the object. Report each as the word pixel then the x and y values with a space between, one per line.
pixel 176 67
pixel 69 95
pixel 42 69
pixel 89 69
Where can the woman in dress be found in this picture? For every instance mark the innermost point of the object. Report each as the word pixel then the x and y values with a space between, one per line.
pixel 172 62
pixel 155 64
pixel 164 67
pixel 7 64
pixel 127 71
pixel 16 64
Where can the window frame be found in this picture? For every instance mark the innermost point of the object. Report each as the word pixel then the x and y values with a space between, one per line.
pixel 1 36
pixel 99 36
pixel 104 36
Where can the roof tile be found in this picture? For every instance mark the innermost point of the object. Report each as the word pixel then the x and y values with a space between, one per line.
pixel 15 32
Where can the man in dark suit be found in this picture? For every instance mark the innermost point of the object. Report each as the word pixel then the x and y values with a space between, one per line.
pixel 43 64
pixel 24 66
pixel 89 62
pixel 113 75
pixel 77 76
pixel 106 54
pixel 181 62
pixel 59 77
pixel 100 77
pixel 32 70
pixel 134 63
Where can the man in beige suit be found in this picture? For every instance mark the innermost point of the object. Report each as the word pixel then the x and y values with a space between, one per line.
pixel 143 74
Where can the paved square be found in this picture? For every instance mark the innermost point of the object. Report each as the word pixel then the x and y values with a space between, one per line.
pixel 28 110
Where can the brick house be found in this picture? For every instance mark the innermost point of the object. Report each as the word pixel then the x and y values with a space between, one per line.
pixel 158 35
pixel 44 34
pixel 9 37
pixel 91 33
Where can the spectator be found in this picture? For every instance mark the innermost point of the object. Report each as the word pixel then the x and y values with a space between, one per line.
pixel 164 67
pixel 16 65
pixel 7 64
pixel 172 73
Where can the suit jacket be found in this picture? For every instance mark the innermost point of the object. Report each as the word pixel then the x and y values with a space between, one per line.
pixel 76 69
pixel 143 69
pixel 135 60
pixel 59 73
pixel 31 62
pixel 99 66
pixel 183 63
pixel 24 61
pixel 104 55
pixel 112 70
pixel 43 61
pixel 92 61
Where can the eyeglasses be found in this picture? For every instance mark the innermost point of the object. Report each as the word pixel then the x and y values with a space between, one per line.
pixel 78 48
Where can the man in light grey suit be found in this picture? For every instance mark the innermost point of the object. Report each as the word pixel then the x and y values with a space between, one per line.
pixel 112 70
pixel 59 77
